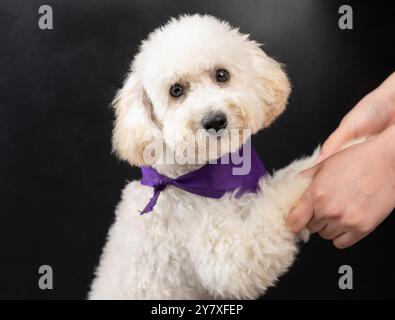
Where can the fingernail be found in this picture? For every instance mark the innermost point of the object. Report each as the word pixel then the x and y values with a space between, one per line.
pixel 320 158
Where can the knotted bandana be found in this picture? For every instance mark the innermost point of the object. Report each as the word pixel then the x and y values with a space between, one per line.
pixel 211 180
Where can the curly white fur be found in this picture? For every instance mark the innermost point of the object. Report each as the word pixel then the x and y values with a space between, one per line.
pixel 192 247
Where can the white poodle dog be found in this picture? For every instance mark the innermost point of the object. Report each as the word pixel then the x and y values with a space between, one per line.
pixel 192 246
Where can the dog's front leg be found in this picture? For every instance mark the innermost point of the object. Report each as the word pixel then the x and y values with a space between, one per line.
pixel 244 255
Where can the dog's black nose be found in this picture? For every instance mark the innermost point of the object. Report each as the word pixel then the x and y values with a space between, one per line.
pixel 216 121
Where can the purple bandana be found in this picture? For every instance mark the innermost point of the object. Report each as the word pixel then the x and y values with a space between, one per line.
pixel 211 180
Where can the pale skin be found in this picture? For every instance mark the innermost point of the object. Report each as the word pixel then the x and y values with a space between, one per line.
pixel 353 190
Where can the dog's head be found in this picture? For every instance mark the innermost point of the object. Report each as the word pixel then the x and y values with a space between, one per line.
pixel 196 80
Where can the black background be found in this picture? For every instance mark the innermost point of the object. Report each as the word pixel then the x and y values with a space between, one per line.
pixel 59 182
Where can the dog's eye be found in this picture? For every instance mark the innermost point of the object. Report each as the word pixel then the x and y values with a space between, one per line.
pixel 222 75
pixel 176 90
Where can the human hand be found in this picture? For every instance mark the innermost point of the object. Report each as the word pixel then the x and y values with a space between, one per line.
pixel 373 114
pixel 351 193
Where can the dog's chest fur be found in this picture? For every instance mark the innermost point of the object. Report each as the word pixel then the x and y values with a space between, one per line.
pixel 164 243
pixel 192 247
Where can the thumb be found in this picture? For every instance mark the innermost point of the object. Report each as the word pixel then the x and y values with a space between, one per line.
pixel 300 216
pixel 312 171
pixel 335 142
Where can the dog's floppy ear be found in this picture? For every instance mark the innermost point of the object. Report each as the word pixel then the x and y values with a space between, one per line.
pixel 134 126
pixel 273 85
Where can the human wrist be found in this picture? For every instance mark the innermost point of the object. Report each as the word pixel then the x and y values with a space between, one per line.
pixel 386 148
pixel 384 95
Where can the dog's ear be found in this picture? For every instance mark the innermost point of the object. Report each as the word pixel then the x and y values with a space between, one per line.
pixel 134 126
pixel 272 83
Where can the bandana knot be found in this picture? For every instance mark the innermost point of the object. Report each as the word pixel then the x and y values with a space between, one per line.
pixel 211 180
pixel 162 183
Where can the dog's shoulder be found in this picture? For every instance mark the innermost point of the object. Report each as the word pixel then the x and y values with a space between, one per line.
pixel 133 199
